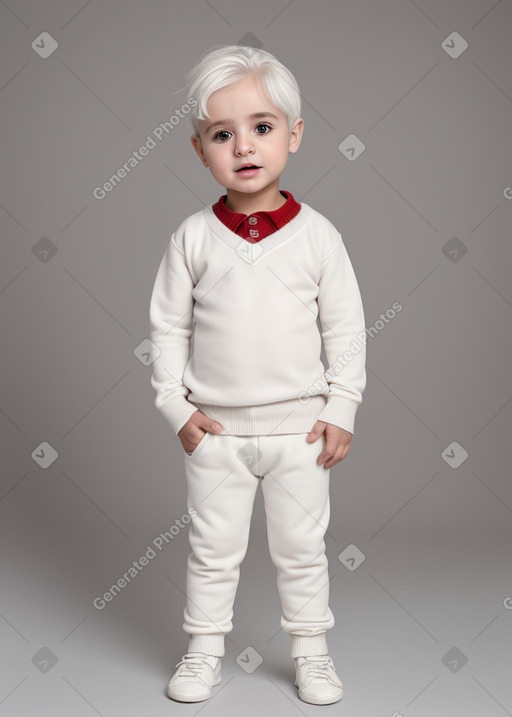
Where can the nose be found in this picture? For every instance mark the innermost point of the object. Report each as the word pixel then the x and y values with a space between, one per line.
pixel 243 144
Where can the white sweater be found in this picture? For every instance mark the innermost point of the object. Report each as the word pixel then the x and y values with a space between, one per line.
pixel 234 327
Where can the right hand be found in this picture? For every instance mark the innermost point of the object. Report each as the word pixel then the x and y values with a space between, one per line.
pixel 192 433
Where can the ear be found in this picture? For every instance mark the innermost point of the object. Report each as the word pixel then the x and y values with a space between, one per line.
pixel 196 143
pixel 296 135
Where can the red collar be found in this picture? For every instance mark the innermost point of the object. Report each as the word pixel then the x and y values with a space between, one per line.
pixel 275 219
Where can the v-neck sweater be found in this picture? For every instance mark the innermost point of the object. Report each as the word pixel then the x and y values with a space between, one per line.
pixel 234 327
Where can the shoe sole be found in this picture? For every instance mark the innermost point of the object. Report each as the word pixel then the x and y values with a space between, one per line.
pixel 318 700
pixel 201 697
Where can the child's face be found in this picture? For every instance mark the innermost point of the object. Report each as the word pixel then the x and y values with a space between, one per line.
pixel 240 139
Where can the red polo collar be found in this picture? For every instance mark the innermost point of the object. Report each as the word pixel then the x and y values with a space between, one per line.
pixel 266 222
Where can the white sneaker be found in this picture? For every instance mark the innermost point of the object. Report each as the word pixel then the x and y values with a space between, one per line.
pixel 317 680
pixel 197 673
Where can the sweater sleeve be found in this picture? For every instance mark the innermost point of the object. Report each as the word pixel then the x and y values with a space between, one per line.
pixel 170 314
pixel 344 336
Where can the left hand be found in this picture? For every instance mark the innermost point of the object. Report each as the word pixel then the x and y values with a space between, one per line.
pixel 337 443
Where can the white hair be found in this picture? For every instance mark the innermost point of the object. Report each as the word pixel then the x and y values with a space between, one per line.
pixel 226 64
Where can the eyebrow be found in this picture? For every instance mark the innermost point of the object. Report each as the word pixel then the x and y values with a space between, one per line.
pixel 255 115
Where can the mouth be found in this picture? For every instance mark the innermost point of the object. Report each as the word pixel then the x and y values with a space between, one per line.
pixel 248 169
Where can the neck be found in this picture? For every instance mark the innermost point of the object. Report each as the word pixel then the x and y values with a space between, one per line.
pixel 266 200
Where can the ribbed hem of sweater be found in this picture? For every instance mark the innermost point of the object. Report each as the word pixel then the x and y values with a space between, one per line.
pixel 277 418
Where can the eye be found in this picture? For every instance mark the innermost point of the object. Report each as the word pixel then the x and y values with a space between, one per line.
pixel 221 136
pixel 218 135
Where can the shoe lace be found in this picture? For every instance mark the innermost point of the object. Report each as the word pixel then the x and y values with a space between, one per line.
pixel 318 667
pixel 191 665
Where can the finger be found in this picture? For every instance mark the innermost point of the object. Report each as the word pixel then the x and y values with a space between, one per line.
pixel 323 457
pixel 334 459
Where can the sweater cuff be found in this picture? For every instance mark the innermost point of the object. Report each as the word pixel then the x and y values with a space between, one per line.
pixel 340 412
pixel 177 412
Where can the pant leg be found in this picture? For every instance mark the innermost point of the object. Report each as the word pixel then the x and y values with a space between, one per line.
pixel 297 507
pixel 221 489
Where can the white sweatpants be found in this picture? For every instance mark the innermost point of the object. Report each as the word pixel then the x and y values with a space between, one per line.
pixel 223 473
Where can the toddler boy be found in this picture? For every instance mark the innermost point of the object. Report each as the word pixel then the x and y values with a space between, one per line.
pixel 246 279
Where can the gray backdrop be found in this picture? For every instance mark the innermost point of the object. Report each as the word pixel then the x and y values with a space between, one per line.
pixel 420 532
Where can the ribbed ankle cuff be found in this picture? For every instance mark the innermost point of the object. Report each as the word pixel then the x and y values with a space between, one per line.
pixel 307 646
pixel 211 644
